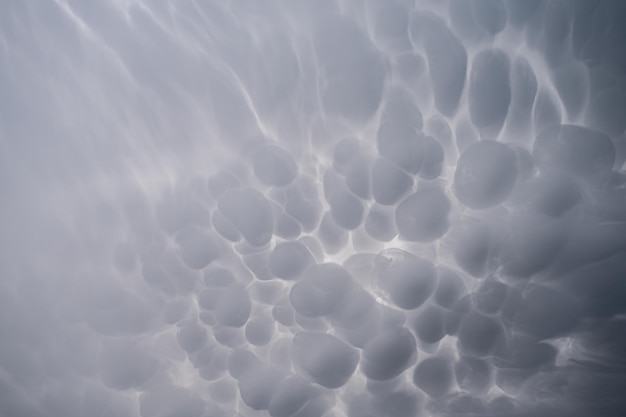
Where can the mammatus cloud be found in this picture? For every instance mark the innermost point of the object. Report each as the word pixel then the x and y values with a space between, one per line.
pixel 327 208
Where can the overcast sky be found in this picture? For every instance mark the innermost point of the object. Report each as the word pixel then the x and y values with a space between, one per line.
pixel 312 208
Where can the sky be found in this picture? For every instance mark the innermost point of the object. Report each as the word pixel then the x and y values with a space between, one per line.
pixel 312 208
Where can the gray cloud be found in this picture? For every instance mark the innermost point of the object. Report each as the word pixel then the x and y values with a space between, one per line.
pixel 312 208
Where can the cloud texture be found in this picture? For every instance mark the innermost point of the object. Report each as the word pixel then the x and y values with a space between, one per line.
pixel 327 208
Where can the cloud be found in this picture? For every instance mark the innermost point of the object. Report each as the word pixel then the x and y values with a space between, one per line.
pixel 312 208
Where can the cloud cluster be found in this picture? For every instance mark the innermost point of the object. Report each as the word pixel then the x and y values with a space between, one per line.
pixel 327 208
